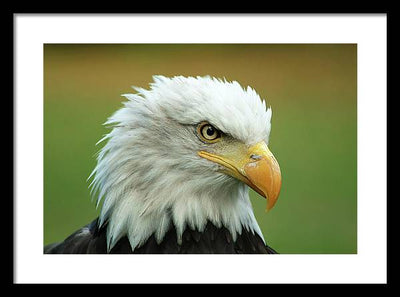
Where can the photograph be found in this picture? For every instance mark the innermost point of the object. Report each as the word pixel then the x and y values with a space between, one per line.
pixel 200 148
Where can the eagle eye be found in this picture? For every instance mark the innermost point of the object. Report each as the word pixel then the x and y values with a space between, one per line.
pixel 208 132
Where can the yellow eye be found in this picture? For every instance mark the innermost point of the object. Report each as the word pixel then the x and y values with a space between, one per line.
pixel 208 132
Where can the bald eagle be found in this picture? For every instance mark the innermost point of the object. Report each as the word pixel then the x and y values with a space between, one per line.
pixel 175 169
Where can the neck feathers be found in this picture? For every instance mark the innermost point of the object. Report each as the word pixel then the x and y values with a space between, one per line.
pixel 140 218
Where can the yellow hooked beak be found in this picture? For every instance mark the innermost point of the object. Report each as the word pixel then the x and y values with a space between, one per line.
pixel 256 166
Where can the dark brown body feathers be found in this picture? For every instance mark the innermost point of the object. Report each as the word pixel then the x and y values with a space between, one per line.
pixel 213 240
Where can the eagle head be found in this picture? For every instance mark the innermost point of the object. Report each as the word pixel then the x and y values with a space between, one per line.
pixel 184 152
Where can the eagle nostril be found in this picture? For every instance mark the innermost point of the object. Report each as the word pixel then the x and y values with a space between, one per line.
pixel 255 157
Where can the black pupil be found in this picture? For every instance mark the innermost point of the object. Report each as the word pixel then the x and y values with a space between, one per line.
pixel 210 131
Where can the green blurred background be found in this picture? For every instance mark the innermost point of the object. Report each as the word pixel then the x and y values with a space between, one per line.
pixel 312 89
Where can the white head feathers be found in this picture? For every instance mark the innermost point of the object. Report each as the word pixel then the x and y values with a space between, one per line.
pixel 149 173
